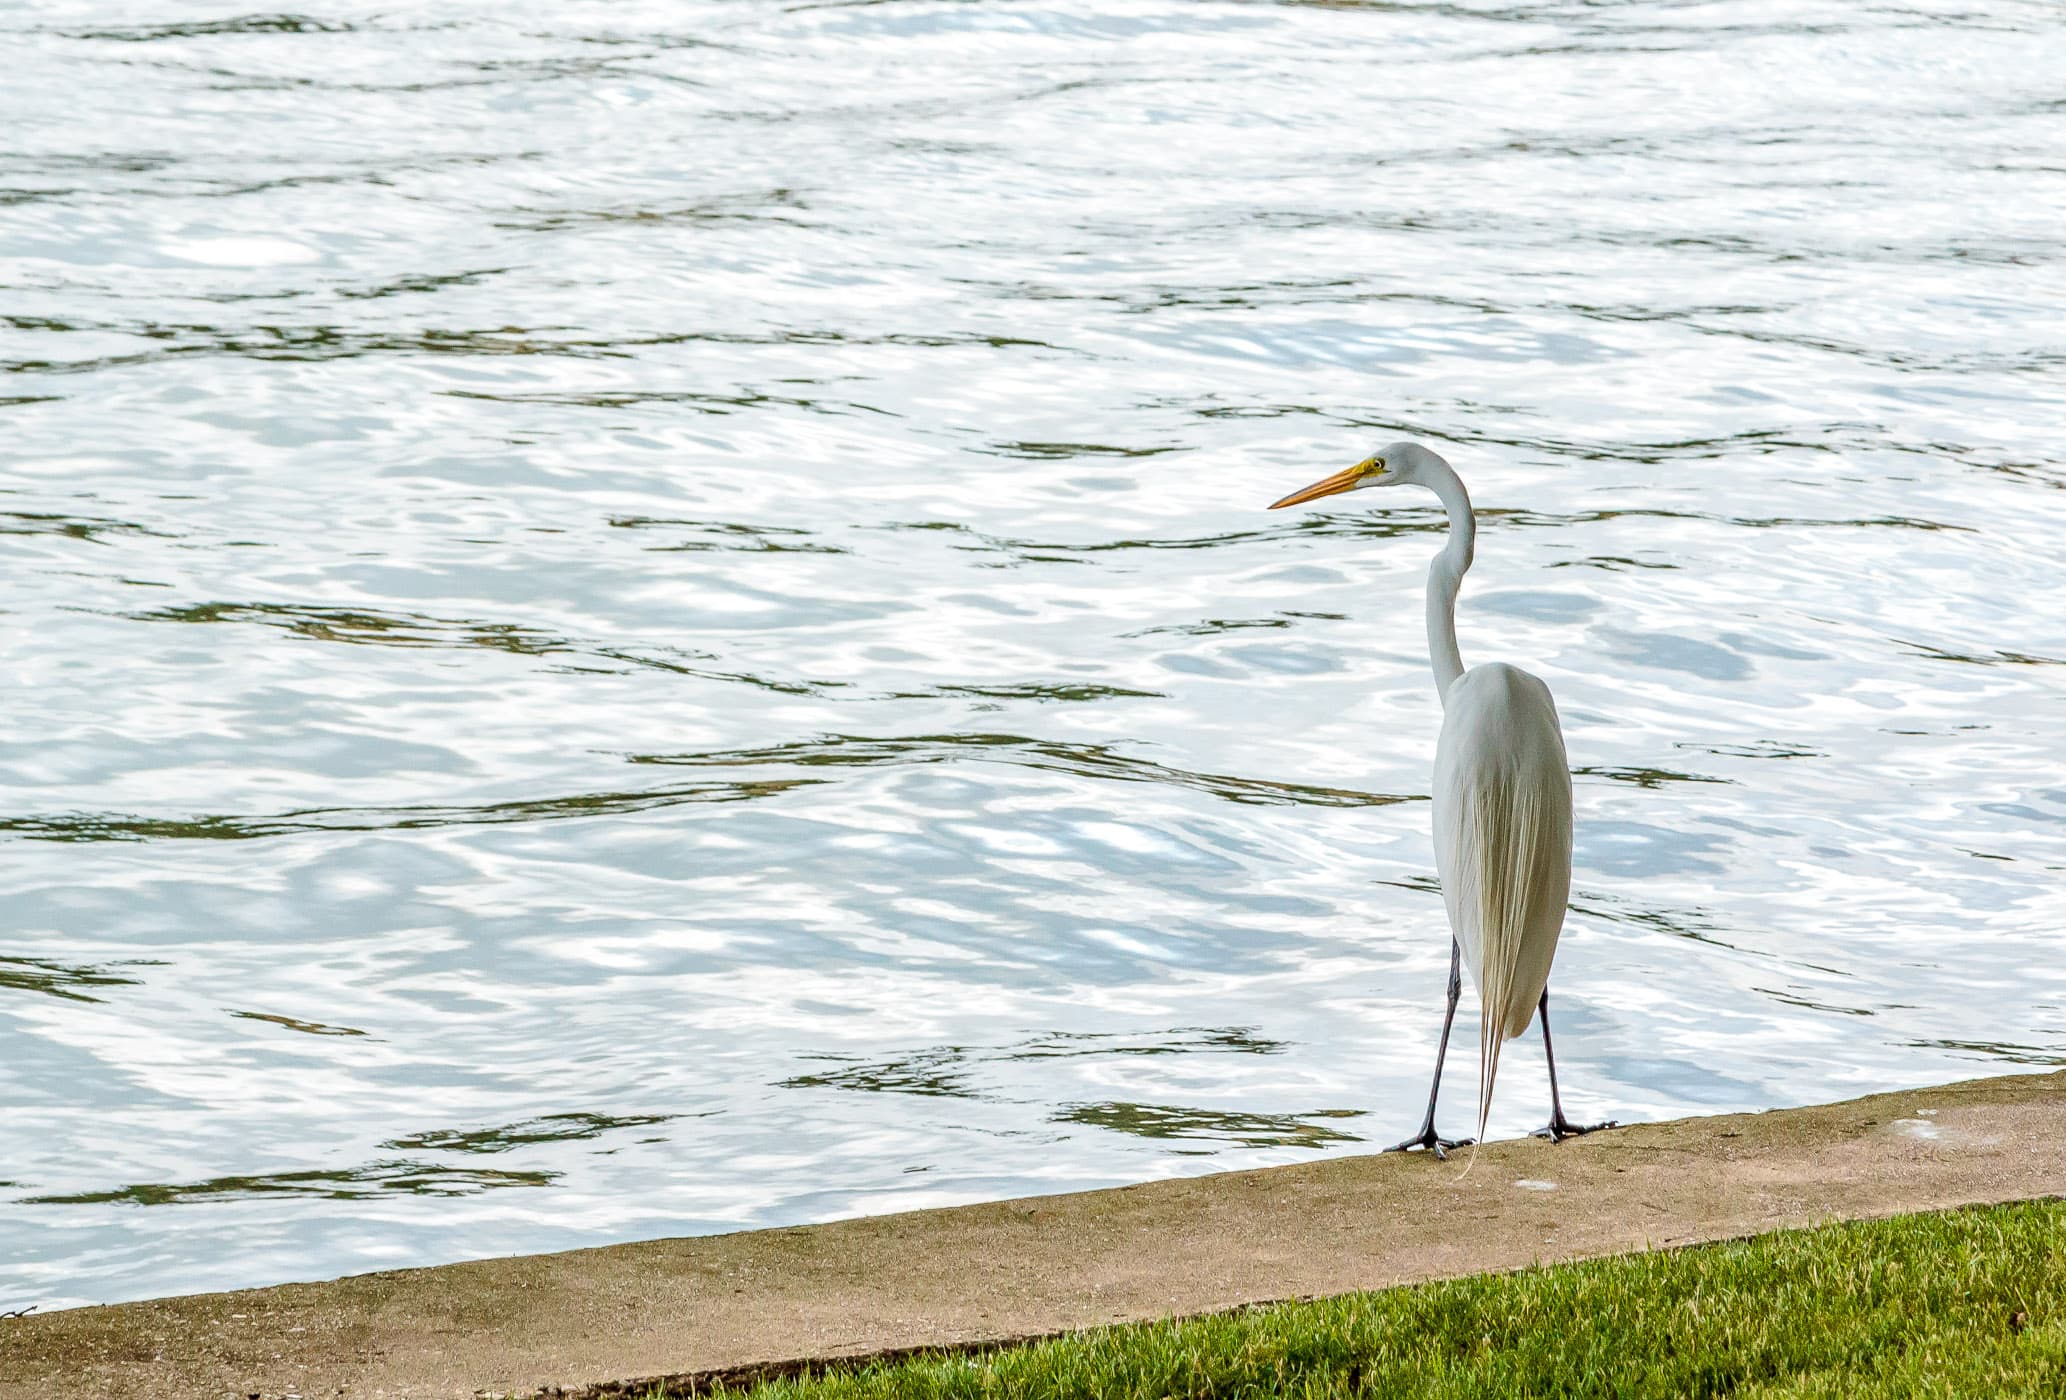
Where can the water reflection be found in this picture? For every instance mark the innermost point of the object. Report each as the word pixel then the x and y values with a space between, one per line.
pixel 365 628
pixel 1094 761
pixel 248 24
pixel 552 1127
pixel 59 979
pixel 293 1024
pixel 1166 1122
pixel 115 827
pixel 374 1180
pixel 951 1071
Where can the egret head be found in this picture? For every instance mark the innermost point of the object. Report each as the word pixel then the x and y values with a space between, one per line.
pixel 1397 464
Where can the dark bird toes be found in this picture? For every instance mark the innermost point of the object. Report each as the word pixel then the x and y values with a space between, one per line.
pixel 1430 1141
pixel 1560 1128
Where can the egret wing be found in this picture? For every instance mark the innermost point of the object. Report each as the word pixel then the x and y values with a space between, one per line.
pixel 1502 810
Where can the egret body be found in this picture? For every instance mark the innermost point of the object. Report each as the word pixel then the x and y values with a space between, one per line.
pixel 1502 806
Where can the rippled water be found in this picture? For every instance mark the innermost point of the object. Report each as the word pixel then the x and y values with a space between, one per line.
pixel 633 619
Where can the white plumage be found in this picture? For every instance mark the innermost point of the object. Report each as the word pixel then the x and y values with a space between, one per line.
pixel 1502 845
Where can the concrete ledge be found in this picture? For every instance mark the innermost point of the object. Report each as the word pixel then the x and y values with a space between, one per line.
pixel 589 1321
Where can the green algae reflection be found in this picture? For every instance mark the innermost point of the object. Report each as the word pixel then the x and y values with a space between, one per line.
pixel 1171 1122
pixel 552 1127
pixel 948 1071
pixel 65 979
pixel 375 1179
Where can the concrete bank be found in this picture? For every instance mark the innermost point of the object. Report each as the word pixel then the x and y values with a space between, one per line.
pixel 586 1320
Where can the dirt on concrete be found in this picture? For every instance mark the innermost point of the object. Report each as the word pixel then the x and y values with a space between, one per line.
pixel 589 1321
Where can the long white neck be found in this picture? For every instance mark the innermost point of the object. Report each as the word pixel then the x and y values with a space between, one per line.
pixel 1446 572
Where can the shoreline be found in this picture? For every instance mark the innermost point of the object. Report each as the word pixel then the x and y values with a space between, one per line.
pixel 604 1321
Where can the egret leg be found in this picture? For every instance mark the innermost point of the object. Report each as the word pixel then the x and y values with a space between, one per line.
pixel 1559 1127
pixel 1427 1137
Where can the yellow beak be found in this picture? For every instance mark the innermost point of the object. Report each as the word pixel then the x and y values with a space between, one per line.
pixel 1341 481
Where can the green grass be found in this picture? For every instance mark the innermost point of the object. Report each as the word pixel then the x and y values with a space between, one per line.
pixel 1965 1303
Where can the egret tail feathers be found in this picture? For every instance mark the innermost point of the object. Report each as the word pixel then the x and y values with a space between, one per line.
pixel 1492 1019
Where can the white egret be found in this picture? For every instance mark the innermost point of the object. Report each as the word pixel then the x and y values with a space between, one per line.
pixel 1502 807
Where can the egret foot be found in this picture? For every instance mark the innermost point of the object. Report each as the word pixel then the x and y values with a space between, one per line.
pixel 1561 1127
pixel 1432 1141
